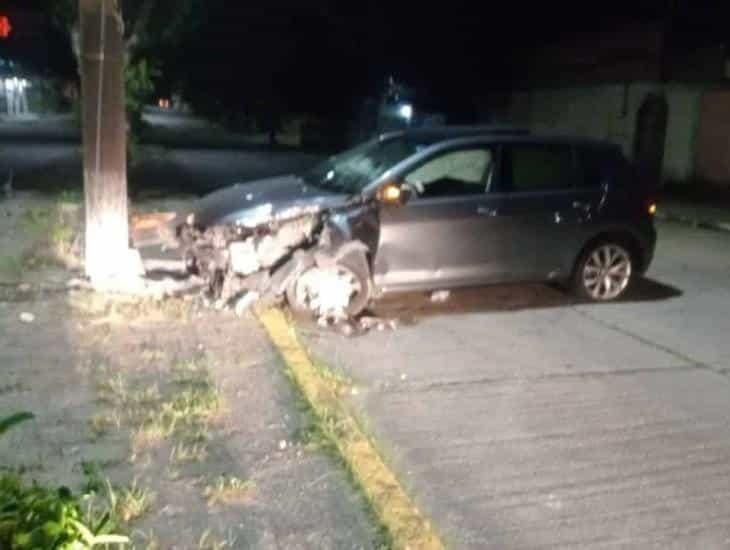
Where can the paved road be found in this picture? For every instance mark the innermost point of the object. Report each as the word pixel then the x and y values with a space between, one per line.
pixel 45 154
pixel 159 171
pixel 519 419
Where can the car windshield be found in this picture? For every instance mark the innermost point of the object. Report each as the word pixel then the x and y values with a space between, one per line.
pixel 351 171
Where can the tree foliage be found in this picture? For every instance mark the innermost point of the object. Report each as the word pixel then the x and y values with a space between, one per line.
pixel 148 24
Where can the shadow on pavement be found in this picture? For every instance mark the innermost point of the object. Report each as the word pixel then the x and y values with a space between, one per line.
pixel 409 308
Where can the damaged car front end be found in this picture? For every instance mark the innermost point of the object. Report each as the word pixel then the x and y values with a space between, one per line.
pixel 280 239
pixel 307 239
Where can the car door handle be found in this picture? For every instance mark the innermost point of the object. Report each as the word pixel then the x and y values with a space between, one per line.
pixel 485 211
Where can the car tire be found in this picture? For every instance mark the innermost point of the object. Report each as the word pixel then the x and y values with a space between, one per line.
pixel 358 302
pixel 605 271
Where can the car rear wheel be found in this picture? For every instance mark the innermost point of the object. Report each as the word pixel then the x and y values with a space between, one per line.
pixel 604 272
pixel 332 292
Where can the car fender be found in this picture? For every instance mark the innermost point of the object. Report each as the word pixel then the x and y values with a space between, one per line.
pixel 643 244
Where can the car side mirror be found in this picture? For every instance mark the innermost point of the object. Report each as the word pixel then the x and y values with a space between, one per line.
pixel 395 194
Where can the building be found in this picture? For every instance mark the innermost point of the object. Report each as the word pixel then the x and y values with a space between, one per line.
pixel 36 65
pixel 667 105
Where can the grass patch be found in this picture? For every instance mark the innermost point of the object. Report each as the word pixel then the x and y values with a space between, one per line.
pixel 52 229
pixel 228 490
pixel 312 433
pixel 336 380
pixel 130 503
pixel 184 453
pixel 102 423
pixel 148 436
pixel 185 409
pixel 125 503
pixel 112 389
pixel 208 541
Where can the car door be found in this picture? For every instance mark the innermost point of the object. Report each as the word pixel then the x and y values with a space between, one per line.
pixel 542 208
pixel 443 235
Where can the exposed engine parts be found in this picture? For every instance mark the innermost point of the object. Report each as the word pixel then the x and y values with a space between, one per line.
pixel 289 255
pixel 236 258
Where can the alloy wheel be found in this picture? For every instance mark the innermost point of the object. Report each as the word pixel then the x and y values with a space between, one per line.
pixel 607 272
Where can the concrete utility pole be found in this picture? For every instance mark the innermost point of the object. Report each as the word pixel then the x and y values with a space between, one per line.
pixel 104 134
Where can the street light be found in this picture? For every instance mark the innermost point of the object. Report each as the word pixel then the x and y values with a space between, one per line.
pixel 405 111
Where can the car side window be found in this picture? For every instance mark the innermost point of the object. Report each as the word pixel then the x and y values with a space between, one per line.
pixel 539 168
pixel 454 173
pixel 593 165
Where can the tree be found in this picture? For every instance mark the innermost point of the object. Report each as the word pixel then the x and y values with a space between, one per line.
pixel 101 55
pixel 107 44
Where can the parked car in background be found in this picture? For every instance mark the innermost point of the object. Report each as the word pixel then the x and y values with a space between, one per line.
pixel 426 209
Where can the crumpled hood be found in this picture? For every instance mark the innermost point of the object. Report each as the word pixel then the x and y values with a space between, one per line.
pixel 258 201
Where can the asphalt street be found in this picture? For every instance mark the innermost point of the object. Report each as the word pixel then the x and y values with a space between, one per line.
pixel 183 155
pixel 518 418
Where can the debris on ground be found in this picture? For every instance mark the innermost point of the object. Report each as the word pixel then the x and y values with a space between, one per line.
pixel 359 326
pixel 369 322
pixel 26 317
pixel 440 296
pixel 246 302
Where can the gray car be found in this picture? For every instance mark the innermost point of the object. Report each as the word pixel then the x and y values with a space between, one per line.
pixel 428 209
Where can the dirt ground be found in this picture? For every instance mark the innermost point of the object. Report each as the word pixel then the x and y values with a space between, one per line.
pixel 184 411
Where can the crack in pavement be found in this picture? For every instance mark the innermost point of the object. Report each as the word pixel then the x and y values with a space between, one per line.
pixel 415 387
pixel 694 363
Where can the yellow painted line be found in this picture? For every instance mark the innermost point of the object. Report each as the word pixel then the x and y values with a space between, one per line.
pixel 408 528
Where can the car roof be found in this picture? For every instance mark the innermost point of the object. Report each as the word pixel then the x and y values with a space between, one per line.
pixel 430 135
pixel 434 134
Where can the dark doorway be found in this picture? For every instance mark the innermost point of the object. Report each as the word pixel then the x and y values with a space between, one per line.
pixel 651 130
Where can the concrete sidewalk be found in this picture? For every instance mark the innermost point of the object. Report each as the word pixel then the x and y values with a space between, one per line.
pixel 707 214
pixel 87 376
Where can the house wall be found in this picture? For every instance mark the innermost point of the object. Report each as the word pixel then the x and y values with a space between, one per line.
pixel 713 145
pixel 609 111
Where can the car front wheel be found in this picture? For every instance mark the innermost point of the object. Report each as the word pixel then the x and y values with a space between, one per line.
pixel 604 272
pixel 334 292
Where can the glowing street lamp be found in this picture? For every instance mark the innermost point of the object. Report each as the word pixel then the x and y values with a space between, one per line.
pixel 405 111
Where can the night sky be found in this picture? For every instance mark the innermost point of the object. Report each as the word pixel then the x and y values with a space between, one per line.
pixel 320 55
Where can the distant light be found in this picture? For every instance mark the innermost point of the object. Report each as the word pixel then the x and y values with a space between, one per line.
pixel 330 175
pixel 406 111
pixel 163 103
pixel 652 209
pixel 5 26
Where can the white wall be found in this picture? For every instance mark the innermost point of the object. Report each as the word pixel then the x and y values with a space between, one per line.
pixel 609 112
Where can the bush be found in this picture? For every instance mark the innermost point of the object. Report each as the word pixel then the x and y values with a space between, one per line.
pixel 34 517
pixel 38 517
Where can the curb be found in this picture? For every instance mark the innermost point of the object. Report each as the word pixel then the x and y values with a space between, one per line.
pixel 700 224
pixel 408 528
